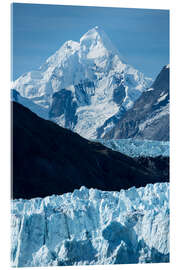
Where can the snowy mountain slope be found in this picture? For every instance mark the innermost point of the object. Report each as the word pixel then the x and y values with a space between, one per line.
pixel 136 148
pixel 149 116
pixel 90 226
pixel 86 86
pixel 40 111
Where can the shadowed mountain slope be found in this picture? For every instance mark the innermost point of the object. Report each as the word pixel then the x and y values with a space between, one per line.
pixel 149 116
pixel 48 159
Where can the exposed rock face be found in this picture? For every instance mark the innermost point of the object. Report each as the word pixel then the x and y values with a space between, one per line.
pixel 119 94
pixel 84 90
pixel 63 105
pixel 149 116
pixel 91 226
pixel 48 159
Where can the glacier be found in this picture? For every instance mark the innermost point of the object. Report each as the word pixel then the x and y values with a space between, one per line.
pixel 92 227
pixel 85 85
pixel 26 102
pixel 137 148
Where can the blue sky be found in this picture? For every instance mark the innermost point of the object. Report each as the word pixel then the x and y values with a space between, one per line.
pixel 141 35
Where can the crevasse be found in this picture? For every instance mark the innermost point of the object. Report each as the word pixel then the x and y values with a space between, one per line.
pixel 90 226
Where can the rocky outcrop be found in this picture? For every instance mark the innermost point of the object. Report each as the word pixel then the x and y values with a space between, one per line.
pixel 64 105
pixel 149 116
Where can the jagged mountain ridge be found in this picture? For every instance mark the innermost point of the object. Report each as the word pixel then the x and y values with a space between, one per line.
pixel 149 116
pixel 85 85
pixel 48 159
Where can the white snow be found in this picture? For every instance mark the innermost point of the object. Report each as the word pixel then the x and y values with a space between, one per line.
pixel 163 97
pixel 90 226
pixel 94 58
pixel 149 89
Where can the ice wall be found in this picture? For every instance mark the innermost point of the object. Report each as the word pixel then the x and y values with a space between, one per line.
pixel 90 226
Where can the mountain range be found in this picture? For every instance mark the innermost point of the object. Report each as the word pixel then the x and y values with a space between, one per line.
pixel 90 160
pixel 85 86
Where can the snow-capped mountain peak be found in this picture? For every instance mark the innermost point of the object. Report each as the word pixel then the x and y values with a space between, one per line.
pixel 85 85
pixel 69 47
pixel 96 43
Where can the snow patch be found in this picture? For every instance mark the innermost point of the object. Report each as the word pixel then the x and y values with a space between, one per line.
pixel 163 97
pixel 149 89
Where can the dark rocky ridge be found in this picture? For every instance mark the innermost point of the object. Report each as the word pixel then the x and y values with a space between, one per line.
pixel 149 110
pixel 63 104
pixel 48 159
pixel 159 165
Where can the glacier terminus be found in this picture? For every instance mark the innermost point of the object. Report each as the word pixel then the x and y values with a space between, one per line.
pixel 90 226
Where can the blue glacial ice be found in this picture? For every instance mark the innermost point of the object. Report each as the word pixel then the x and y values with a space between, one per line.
pixel 136 148
pixel 90 227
